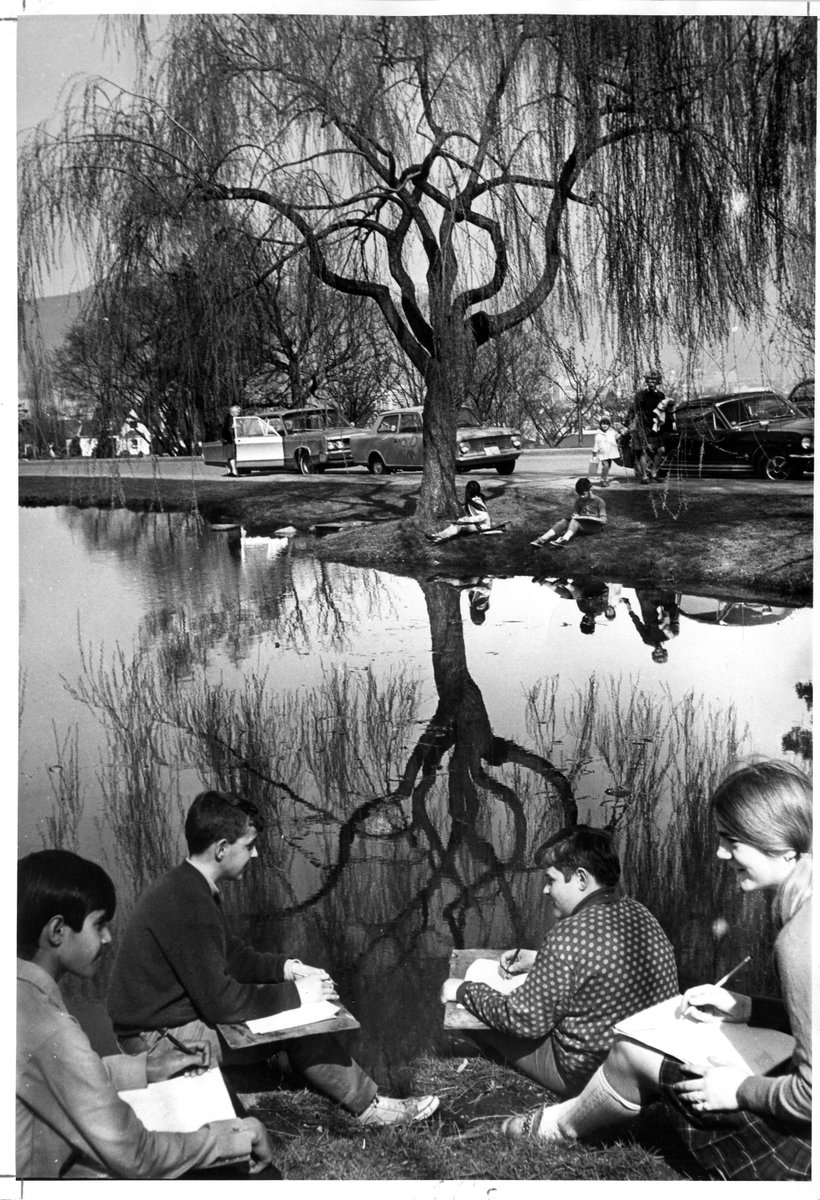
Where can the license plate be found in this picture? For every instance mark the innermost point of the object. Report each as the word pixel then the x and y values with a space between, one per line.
pixel 491 450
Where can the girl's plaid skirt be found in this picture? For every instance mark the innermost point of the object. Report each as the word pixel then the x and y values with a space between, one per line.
pixel 737 1145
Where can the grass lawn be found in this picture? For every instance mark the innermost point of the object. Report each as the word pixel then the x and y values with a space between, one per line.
pixel 315 1139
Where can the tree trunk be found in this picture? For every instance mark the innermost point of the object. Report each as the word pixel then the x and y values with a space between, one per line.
pixel 446 382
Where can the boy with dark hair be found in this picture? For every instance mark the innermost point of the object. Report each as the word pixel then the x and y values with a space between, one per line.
pixel 588 516
pixel 179 969
pixel 605 958
pixel 71 1123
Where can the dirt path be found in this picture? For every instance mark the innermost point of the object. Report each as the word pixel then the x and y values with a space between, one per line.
pixel 742 538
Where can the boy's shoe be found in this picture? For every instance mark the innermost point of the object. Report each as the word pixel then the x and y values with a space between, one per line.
pixel 385 1110
pixel 538 542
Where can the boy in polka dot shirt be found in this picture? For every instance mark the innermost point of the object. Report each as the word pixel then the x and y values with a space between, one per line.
pixel 605 958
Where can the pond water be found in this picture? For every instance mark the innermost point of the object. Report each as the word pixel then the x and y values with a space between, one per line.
pixel 410 742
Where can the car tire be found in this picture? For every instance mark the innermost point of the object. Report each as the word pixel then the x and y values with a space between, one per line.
pixel 775 467
pixel 304 463
pixel 505 468
pixel 377 466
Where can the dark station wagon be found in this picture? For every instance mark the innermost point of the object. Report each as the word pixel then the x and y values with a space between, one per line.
pixel 394 443
pixel 741 432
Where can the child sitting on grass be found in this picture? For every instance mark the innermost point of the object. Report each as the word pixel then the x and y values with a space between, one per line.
pixel 588 516
pixel 475 519
pixel 71 1123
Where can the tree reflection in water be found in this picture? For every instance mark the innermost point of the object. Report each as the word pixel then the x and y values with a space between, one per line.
pixel 383 848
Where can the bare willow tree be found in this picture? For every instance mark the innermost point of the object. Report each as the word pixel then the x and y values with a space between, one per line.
pixel 461 171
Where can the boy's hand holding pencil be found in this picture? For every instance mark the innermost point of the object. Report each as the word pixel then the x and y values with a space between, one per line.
pixel 176 1058
pixel 516 962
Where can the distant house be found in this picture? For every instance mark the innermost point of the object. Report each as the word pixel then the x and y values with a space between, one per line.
pixel 82 437
pixel 133 440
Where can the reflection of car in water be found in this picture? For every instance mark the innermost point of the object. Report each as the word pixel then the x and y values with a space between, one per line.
pixel 394 443
pixel 741 432
pixel 710 610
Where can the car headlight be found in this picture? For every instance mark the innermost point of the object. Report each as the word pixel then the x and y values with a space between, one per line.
pixel 516 442
pixel 464 447
pixel 807 443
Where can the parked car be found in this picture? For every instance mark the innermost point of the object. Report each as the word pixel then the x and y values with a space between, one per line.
pixel 259 447
pixel 393 443
pixel 315 437
pixel 741 432
pixel 802 397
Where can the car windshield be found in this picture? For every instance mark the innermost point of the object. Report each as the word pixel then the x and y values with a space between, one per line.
pixel 467 417
pixel 760 406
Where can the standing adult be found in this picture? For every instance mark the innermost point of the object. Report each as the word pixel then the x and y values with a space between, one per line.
pixel 738 1125
pixel 229 437
pixel 644 419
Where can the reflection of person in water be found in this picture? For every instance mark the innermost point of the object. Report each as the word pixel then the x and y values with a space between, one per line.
pixel 477 588
pixel 591 594
pixel 659 621
pixel 479 597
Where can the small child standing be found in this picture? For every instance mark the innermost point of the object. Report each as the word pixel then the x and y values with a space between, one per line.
pixel 605 447
pixel 588 516
pixel 475 516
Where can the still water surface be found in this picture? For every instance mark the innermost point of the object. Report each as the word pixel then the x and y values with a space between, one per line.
pixel 409 741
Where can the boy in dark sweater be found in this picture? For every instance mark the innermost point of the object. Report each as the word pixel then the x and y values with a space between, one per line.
pixel 71 1121
pixel 605 958
pixel 179 969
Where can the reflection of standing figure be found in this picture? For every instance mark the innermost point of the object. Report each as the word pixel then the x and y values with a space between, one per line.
pixel 659 621
pixel 475 516
pixel 229 437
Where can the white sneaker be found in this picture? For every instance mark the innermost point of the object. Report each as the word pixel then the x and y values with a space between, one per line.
pixel 385 1110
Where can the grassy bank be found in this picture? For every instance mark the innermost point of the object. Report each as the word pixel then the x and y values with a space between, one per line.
pixel 314 1139
pixel 740 538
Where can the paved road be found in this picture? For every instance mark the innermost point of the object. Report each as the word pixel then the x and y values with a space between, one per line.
pixel 535 468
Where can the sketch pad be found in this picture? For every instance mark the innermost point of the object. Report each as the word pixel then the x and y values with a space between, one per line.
pixel 486 970
pixel 294 1018
pixel 182 1104
pixel 752 1049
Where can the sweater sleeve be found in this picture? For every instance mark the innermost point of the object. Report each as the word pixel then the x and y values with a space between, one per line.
pixel 789 1096
pixel 533 1009
pixel 83 1106
pixel 195 945
pixel 254 966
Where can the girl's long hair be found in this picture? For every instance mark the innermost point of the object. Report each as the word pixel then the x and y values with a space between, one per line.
pixel 768 805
